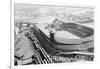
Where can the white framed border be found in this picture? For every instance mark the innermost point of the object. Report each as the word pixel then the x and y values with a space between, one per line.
pixel 45 66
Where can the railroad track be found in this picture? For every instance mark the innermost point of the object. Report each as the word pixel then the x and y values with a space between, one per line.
pixel 44 56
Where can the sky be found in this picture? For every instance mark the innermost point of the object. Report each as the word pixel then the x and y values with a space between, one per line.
pixel 46 13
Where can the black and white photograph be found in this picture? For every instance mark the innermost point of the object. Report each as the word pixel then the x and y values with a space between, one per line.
pixel 51 34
